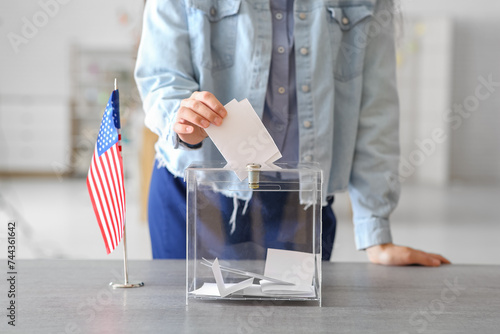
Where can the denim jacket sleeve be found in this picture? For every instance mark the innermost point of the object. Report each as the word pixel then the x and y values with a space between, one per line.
pixel 374 194
pixel 164 71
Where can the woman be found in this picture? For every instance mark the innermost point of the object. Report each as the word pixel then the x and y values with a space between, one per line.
pixel 320 74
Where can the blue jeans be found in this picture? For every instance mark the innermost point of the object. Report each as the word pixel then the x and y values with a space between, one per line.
pixel 167 217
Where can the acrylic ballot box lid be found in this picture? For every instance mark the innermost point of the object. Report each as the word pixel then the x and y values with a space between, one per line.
pixel 253 233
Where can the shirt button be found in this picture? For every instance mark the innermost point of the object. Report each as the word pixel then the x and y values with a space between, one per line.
pixel 281 90
pixel 308 158
pixel 281 49
pixel 302 16
pixel 305 88
pixel 304 51
pixel 307 124
pixel 345 20
pixel 279 16
pixel 213 11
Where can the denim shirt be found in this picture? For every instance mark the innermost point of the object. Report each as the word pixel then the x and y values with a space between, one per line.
pixel 347 100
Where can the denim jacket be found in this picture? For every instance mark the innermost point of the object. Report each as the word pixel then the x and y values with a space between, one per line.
pixel 347 100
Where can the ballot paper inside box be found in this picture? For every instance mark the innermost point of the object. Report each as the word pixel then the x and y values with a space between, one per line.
pixel 259 241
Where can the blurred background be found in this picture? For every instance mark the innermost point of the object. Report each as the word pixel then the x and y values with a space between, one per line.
pixel 58 60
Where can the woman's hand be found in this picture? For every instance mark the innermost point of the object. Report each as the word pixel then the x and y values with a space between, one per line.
pixel 195 114
pixel 390 254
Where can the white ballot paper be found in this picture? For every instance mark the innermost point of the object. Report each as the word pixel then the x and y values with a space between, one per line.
pixel 282 265
pixel 242 138
pixel 227 289
pixel 289 266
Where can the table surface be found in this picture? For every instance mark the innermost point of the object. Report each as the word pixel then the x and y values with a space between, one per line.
pixel 68 296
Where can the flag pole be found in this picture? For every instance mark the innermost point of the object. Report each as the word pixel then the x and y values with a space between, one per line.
pixel 126 283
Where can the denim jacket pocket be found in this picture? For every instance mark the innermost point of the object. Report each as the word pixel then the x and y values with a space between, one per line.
pixel 348 27
pixel 219 24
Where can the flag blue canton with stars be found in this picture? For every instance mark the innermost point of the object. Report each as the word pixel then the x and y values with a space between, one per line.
pixel 108 133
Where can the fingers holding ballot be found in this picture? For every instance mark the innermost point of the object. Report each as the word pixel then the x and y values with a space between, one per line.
pixel 195 114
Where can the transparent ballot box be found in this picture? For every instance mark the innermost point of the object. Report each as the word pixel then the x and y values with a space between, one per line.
pixel 254 233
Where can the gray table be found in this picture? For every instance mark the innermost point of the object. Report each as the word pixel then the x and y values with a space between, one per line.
pixel 73 297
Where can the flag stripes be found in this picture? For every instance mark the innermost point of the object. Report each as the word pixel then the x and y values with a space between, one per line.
pixel 105 185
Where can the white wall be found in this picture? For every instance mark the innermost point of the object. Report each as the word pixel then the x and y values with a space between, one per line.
pixel 37 66
pixel 424 70
pixel 475 144
pixel 42 65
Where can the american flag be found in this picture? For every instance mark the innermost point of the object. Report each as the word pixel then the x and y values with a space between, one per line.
pixel 105 178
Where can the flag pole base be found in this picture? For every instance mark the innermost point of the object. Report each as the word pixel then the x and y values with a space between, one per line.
pixel 128 285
